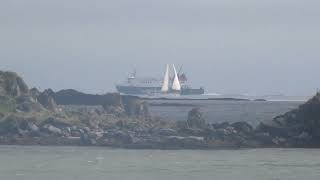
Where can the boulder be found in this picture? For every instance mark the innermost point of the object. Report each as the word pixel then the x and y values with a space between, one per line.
pixel 195 119
pixel 56 123
pixel 243 127
pixel 33 127
pixel 85 139
pixel 52 129
pixel 118 136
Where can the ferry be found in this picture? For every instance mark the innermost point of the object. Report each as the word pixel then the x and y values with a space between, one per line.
pixel 175 83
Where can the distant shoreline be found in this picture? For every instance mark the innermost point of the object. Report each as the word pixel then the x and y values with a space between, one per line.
pixel 199 99
pixel 223 99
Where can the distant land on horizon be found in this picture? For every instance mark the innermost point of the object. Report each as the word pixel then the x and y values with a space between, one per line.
pixel 209 93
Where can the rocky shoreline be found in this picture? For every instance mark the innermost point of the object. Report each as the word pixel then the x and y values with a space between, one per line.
pixel 69 117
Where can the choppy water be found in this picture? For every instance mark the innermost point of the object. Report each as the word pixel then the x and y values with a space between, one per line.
pixel 221 111
pixel 83 163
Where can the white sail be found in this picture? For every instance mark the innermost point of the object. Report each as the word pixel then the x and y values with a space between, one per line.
pixel 176 83
pixel 165 85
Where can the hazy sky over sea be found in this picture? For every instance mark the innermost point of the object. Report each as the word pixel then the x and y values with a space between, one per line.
pixel 227 46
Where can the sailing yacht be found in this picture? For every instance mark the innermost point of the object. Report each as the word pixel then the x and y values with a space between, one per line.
pixel 176 86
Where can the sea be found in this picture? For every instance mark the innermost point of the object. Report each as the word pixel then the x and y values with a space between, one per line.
pixel 101 163
pixel 98 163
pixel 217 111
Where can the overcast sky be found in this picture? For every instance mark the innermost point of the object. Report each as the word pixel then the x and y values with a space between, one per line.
pixel 227 46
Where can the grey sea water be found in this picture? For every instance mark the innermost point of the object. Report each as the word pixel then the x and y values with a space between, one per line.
pixel 221 111
pixel 83 163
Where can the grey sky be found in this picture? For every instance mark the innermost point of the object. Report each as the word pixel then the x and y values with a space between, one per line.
pixel 228 46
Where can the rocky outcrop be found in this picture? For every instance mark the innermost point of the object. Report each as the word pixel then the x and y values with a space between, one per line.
pixel 15 95
pixel 297 128
pixel 13 124
pixel 73 97
pixel 243 127
pixel 31 117
pixel 34 93
pixel 46 100
pixel 135 106
pixel 113 103
pixel 217 135
pixel 12 85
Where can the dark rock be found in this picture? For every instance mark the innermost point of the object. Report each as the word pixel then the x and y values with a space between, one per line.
pixel 273 128
pixel 84 139
pixel 10 124
pixel 73 97
pixel 243 127
pixel 222 125
pixel 33 127
pixel 56 123
pixel 279 141
pixel 86 129
pixel 75 133
pixel 34 93
pixel 89 138
pixel 195 119
pixel 264 138
pixel 193 132
pixel 46 100
pixel 301 121
pixel 112 99
pixel 112 103
pixel 260 100
pixel 304 136
pixel 52 129
pixel 120 136
pixel 4 99
pixel 18 125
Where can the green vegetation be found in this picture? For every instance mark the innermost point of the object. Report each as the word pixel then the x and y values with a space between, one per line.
pixel 7 104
